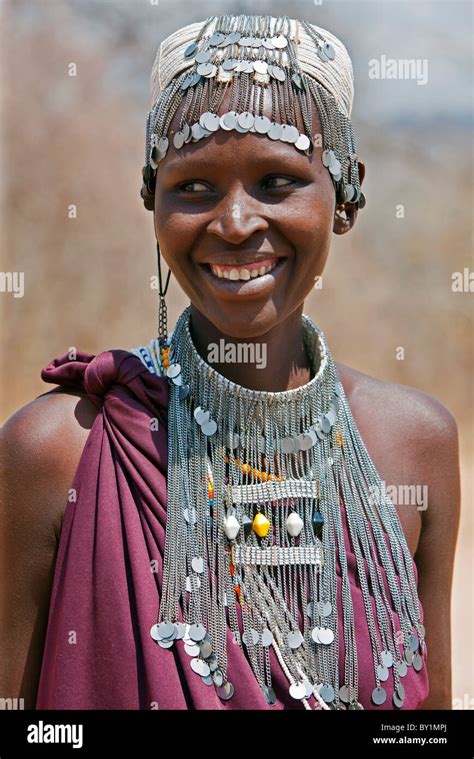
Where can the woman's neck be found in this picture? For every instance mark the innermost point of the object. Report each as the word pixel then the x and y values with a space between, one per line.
pixel 275 361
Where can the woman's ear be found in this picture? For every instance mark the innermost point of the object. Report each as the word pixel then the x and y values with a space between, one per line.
pixel 343 224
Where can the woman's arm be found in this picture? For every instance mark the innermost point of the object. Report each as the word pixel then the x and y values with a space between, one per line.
pixel 40 448
pixel 438 463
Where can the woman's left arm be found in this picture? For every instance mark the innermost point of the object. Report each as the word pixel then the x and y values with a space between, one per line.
pixel 438 466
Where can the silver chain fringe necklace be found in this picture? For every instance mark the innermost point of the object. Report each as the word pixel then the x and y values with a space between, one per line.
pixel 254 487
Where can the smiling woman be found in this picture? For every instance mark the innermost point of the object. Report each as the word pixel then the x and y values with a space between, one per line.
pixel 228 541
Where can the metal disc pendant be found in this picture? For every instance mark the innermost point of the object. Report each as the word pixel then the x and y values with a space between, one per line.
pixel 173 370
pixel 241 66
pixel 326 424
pixel 233 37
pixel 165 643
pixel 379 696
pixel 178 140
pixel 387 658
pixel 197 131
pixel 187 81
pixel 246 120
pixel 329 51
pixel 328 158
pixel 190 515
pixel 192 649
pixel 398 702
pixel 190 50
pixel 218 677
pixel 181 630
pixel 277 73
pixel 154 632
pixel 200 415
pixel 382 673
pixel 211 122
pixel 229 64
pixel 267 637
pixel 327 693
pixel 230 119
pixel 261 67
pixel 325 608
pixel 200 667
pixel 303 142
pixel 232 440
pixel 408 653
pixel 198 564
pixel 344 694
pixel 269 694
pixel 205 648
pixel 287 445
pixel 326 636
pixel 216 38
pixel 206 69
pixel 207 680
pixel 197 632
pixel 251 637
pixel 209 427
pixel 268 44
pixel 292 135
pixel 275 131
pixel 279 42
pixel 414 643
pixel 297 691
pixel 322 54
pixel 402 668
pixel 203 56
pixel 225 692
pixel 335 168
pixel 315 634
pixel 295 639
pixel 262 124
pixel 245 41
pixel 417 662
pixel 183 392
pixel 165 629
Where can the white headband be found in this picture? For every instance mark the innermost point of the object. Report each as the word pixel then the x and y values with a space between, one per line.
pixel 335 75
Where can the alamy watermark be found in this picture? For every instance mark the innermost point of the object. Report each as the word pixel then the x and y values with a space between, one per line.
pixel 401 68
pixel 237 353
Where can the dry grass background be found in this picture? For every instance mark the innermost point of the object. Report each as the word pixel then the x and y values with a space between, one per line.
pixel 387 284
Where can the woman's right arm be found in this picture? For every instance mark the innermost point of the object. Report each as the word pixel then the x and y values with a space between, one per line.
pixel 40 449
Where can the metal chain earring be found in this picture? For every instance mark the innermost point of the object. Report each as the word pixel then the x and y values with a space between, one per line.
pixel 162 310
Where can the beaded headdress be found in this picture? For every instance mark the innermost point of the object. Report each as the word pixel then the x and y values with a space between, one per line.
pixel 298 62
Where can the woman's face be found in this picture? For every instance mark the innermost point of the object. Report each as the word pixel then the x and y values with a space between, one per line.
pixel 239 202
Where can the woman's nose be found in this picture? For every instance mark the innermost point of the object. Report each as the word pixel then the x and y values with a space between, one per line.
pixel 237 217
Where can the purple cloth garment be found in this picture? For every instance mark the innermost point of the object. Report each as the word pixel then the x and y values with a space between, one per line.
pixel 98 652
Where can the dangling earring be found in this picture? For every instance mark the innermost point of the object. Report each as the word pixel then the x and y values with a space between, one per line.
pixel 162 311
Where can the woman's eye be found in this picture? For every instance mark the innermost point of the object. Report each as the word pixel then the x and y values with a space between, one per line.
pixel 193 187
pixel 277 182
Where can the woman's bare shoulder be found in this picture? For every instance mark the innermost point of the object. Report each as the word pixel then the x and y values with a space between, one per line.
pixel 41 445
pixel 406 408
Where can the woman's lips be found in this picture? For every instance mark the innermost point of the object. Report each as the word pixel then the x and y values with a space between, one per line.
pixel 244 272
pixel 255 286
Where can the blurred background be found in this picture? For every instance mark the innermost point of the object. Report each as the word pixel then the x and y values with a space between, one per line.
pixel 80 140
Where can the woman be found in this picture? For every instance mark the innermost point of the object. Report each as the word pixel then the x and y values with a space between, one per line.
pixel 227 541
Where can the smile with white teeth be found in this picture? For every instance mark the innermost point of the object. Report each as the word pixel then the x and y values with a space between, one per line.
pixel 243 273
